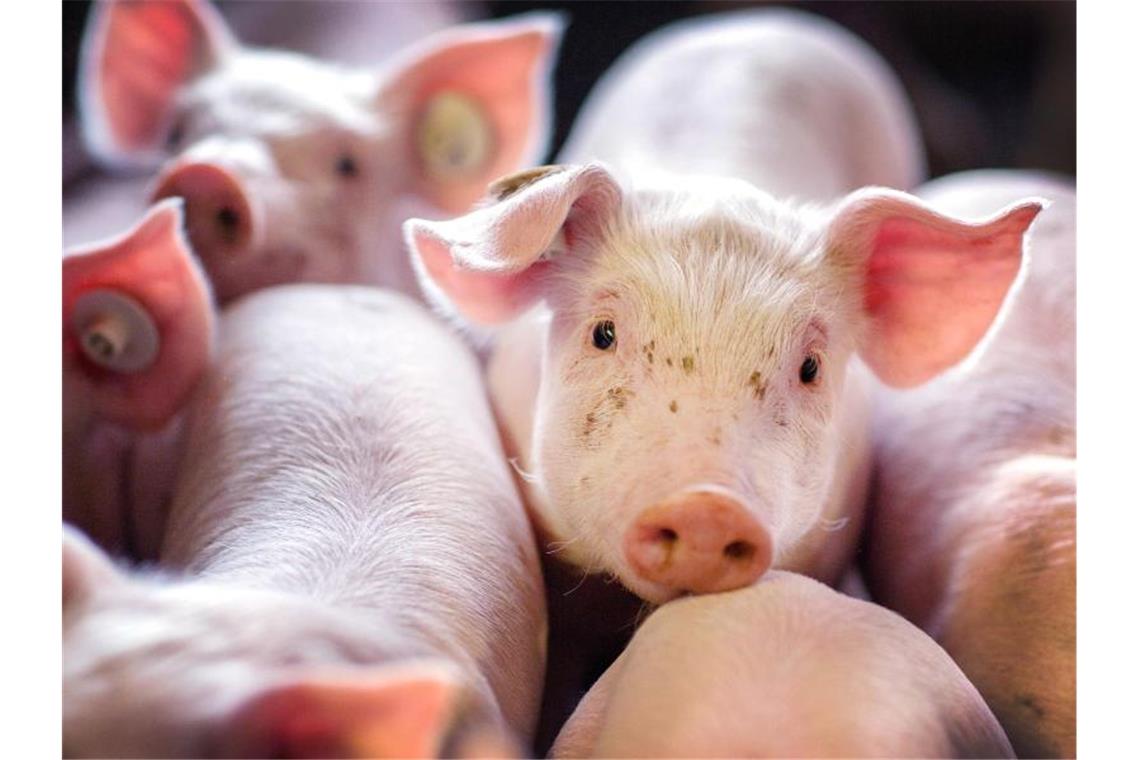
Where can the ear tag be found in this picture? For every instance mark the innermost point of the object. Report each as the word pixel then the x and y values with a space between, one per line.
pixel 115 331
pixel 454 137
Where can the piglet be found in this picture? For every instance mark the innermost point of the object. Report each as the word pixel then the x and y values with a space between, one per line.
pixel 347 569
pixel 788 101
pixel 687 403
pixel 138 334
pixel 655 405
pixel 785 668
pixel 299 170
pixel 973 520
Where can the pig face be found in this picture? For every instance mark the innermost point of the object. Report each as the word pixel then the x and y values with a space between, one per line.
pixel 295 170
pixel 687 424
pixel 165 668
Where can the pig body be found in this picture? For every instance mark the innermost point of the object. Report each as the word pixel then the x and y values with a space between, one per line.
pixel 294 169
pixel 345 544
pixel 784 668
pixel 973 518
pixel 790 102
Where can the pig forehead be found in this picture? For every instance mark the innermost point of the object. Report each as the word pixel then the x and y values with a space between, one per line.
pixel 714 270
pixel 283 90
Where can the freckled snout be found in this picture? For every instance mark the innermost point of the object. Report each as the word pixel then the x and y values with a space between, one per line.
pixel 219 211
pixel 699 542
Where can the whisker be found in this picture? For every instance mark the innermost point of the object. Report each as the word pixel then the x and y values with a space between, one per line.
pixel 831 526
pixel 529 477
pixel 554 547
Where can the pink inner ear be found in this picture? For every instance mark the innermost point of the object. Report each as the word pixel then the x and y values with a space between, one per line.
pixel 502 68
pixel 933 288
pixel 139 56
pixel 487 298
pixel 356 714
pixel 152 265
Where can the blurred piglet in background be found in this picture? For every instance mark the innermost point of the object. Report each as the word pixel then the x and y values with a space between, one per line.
pixel 685 406
pixel 784 668
pixel 973 517
pixel 351 572
pixel 297 170
pixel 138 334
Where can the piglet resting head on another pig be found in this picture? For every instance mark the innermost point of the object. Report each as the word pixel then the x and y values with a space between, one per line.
pixel 694 418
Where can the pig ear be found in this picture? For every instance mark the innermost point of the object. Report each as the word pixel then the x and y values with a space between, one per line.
pixel 138 323
pixel 136 56
pixel 476 101
pixel 85 567
pixel 931 284
pixel 489 264
pixel 410 710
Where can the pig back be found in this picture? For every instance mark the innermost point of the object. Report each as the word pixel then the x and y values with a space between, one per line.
pixel 342 448
pixel 790 102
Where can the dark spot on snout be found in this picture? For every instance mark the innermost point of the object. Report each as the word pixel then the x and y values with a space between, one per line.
pixel 757 384
pixel 673 406
pixel 687 364
pixel 740 550
pixel 669 360
pixel 228 221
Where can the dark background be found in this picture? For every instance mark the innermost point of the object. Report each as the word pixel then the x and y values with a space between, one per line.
pixel 993 83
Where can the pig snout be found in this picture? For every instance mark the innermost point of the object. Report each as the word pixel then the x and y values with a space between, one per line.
pixel 698 542
pixel 219 209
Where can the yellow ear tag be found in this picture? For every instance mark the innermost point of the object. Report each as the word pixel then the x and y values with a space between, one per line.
pixel 453 137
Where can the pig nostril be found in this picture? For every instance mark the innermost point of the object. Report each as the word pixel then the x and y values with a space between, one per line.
pixel 739 550
pixel 228 221
pixel 667 535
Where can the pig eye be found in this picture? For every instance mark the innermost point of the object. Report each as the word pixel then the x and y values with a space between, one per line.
pixel 604 335
pixel 175 135
pixel 346 166
pixel 809 370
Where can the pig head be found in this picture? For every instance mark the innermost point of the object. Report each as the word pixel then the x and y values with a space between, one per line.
pixel 694 415
pixel 138 332
pixel 297 170
pixel 260 684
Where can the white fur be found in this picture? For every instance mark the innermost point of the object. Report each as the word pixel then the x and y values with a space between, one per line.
pixel 344 502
